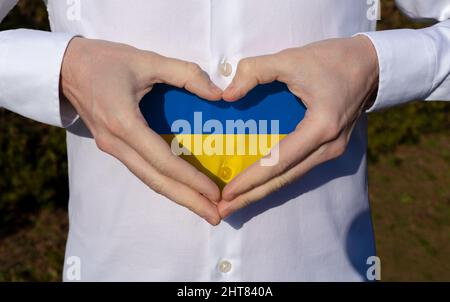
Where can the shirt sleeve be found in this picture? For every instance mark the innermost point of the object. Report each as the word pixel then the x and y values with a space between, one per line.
pixel 414 64
pixel 30 65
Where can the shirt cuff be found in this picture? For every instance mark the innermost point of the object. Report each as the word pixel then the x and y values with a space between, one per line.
pixel 30 69
pixel 406 64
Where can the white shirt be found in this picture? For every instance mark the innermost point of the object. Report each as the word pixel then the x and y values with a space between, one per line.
pixel 318 228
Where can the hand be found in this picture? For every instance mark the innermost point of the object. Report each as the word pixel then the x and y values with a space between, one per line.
pixel 105 81
pixel 334 79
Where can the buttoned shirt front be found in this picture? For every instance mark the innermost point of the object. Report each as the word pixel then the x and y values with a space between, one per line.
pixel 317 228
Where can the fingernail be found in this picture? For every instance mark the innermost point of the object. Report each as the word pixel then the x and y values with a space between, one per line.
pixel 224 211
pixel 230 92
pixel 225 215
pixel 227 193
pixel 231 88
pixel 226 196
pixel 212 220
pixel 214 88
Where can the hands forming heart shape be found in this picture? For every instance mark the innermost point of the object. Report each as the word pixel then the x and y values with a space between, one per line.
pixel 105 81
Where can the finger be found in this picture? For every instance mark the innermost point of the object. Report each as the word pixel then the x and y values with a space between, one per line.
pixel 309 136
pixel 251 72
pixel 323 154
pixel 189 76
pixel 177 192
pixel 226 208
pixel 134 131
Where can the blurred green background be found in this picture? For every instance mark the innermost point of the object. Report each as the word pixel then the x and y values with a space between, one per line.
pixel 409 182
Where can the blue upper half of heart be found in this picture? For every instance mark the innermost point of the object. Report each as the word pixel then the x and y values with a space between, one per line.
pixel 166 108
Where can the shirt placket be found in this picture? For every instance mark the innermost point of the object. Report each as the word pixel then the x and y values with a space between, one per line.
pixel 225 239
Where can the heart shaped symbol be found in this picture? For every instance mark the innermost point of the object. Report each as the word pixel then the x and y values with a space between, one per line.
pixel 220 138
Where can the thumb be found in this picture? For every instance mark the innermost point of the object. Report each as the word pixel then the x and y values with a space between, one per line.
pixel 251 72
pixel 189 76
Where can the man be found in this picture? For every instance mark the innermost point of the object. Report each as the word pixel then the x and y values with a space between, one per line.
pixel 316 223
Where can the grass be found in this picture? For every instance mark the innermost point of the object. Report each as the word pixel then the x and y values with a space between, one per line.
pixel 410 198
pixel 36 252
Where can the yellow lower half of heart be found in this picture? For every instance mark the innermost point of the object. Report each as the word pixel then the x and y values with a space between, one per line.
pixel 223 156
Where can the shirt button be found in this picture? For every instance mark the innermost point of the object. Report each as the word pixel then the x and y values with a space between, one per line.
pixel 225 173
pixel 225 266
pixel 225 68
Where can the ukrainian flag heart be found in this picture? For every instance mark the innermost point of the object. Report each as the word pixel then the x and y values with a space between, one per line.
pixel 220 138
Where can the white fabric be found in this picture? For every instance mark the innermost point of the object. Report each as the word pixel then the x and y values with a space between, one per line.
pixel 30 64
pixel 318 228
pixel 414 64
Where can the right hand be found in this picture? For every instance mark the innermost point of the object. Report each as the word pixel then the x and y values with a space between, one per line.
pixel 105 81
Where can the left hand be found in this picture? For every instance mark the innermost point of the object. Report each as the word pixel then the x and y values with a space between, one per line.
pixel 335 79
